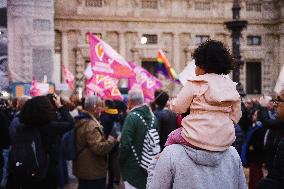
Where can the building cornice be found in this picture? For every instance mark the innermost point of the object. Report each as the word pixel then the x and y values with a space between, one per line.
pixel 163 20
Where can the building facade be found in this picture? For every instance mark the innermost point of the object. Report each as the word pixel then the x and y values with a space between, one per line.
pixel 30 40
pixel 175 26
pixel 4 75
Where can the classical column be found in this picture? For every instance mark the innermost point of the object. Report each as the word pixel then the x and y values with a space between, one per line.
pixel 281 49
pixel 176 63
pixel 79 68
pixel 121 44
pixel 64 48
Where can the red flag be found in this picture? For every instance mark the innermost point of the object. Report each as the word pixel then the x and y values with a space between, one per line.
pixel 69 77
pixel 106 61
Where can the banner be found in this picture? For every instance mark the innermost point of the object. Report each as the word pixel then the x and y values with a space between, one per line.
pixel 106 61
pixel 69 77
pixel 279 86
pixel 34 90
pixel 104 87
pixel 145 81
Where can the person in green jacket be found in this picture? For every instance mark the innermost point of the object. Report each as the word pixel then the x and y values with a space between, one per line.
pixel 139 141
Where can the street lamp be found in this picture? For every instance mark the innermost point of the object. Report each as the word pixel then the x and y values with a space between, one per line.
pixel 236 26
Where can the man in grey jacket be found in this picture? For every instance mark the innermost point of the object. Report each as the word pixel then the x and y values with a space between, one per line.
pixel 182 167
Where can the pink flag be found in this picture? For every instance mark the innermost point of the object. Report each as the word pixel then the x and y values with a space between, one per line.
pixel 69 77
pixel 103 86
pixel 34 90
pixel 105 60
pixel 93 88
pixel 144 80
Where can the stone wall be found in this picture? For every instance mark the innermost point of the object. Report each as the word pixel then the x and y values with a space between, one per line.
pixel 31 39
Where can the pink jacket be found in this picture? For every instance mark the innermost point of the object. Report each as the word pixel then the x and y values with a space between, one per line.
pixel 215 108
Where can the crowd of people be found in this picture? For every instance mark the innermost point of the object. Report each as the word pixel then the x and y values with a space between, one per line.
pixel 201 139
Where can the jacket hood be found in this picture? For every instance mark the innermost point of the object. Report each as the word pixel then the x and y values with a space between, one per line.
pixel 205 158
pixel 144 110
pixel 218 88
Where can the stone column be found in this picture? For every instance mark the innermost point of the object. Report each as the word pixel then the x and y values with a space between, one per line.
pixel 176 63
pixel 121 44
pixel 79 69
pixel 281 49
pixel 64 48
pixel 135 55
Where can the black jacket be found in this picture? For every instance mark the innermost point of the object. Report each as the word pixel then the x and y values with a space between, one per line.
pixel 272 139
pixel 275 178
pixel 51 134
pixel 167 123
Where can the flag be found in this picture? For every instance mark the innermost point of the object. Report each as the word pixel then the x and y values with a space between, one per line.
pixel 144 81
pixel 69 78
pixel 169 71
pixel 105 60
pixel 34 90
pixel 103 86
pixel 279 86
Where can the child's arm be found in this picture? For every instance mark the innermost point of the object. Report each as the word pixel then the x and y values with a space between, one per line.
pixel 236 113
pixel 181 103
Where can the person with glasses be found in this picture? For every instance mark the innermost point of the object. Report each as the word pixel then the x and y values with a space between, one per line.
pixel 274 179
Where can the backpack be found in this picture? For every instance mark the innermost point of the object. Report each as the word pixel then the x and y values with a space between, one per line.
pixel 68 144
pixel 28 159
pixel 151 145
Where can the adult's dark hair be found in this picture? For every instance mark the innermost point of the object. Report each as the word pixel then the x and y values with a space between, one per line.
pixel 161 98
pixel 109 104
pixel 52 98
pixel 120 105
pixel 37 112
pixel 213 57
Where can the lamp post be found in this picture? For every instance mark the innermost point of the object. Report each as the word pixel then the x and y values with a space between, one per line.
pixel 236 26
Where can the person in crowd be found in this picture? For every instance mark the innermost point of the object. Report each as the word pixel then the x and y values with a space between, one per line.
pixel 213 100
pixel 167 119
pixel 267 115
pixel 16 122
pixel 139 126
pixel 254 150
pixel 240 138
pixel 63 116
pixel 4 135
pixel 180 166
pixel 122 111
pixel 91 165
pixel 109 120
pixel 38 114
pixel 274 179
pixel 108 116
pixel 200 154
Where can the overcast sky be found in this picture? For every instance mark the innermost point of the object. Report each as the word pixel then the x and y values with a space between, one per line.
pixel 3 3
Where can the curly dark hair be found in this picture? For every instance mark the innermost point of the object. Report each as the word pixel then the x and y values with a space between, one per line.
pixel 37 112
pixel 213 57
